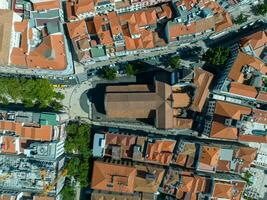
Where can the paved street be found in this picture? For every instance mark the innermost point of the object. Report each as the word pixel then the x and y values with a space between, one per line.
pixel 72 103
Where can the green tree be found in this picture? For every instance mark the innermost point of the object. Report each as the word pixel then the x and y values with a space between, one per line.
pixel 217 56
pixel 108 73
pixel 78 140
pixel 130 70
pixel 68 192
pixel 240 19
pixel 175 62
pixel 260 9
pixel 31 92
pixel 73 167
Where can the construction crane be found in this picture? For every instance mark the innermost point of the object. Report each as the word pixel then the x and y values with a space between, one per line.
pixel 48 187
pixel 4 177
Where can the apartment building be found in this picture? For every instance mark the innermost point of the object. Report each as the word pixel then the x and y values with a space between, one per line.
pixel 32 152
pixel 235 122
pixel 196 19
pixel 245 74
pixel 123 146
pixel 188 185
pixel 35 38
pixel 126 178
pixel 115 34
pixel 213 158
pixel 81 9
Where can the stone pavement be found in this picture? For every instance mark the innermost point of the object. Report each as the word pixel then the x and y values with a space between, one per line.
pixel 71 102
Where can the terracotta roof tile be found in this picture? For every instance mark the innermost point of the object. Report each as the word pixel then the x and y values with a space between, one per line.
pixel 242 60
pixel 253 138
pixel 223 165
pixel 8 144
pixel 160 151
pixel 176 30
pixel 230 110
pixel 223 21
pixel 222 190
pixel 125 142
pixel 83 6
pixel 46 5
pixel 43 133
pixel 113 177
pixel 219 130
pixel 246 154
pixel 181 159
pixel 243 90
pixel 202 81
pixel 142 181
pixel 53 44
pixel 259 116
pixel 209 158
pixel 256 40
pixel 262 96
pixel 77 29
pixel 114 23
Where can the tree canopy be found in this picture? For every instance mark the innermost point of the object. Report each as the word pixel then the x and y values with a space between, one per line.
pixel 260 9
pixel 31 92
pixel 77 146
pixel 175 62
pixel 240 19
pixel 68 192
pixel 130 70
pixel 108 73
pixel 217 56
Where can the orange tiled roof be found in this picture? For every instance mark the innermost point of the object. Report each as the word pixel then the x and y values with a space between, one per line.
pixel 49 54
pixel 247 155
pixel 46 5
pixel 190 186
pixel 143 184
pixel 114 23
pixel 53 44
pixel 223 190
pixel 77 29
pixel 113 177
pixel 242 60
pixel 262 96
pixel 43 133
pixel 223 165
pixel 126 143
pixel 202 80
pixel 259 116
pixel 209 157
pixel 167 11
pixel 253 138
pixel 102 28
pixel 181 159
pixel 256 40
pixel 223 21
pixel 176 30
pixel 230 110
pixel 160 151
pixel 8 144
pixel 243 90
pixel 83 6
pixel 219 130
